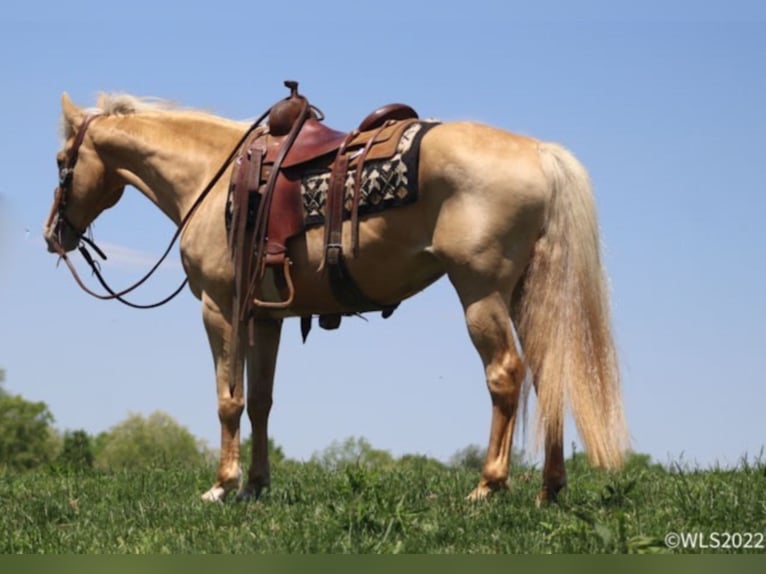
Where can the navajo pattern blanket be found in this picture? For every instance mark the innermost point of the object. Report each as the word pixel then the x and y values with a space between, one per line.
pixel 385 183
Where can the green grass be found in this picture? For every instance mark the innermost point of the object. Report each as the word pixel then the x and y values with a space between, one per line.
pixel 409 508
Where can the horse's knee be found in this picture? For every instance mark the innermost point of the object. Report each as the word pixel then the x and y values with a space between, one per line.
pixel 230 409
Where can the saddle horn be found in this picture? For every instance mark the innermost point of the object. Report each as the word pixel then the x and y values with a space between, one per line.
pixel 285 113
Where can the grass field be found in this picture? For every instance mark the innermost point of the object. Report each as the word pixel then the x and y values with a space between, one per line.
pixel 413 508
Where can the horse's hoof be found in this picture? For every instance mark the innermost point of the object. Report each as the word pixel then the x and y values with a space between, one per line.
pixel 547 496
pixel 485 490
pixel 215 494
pixel 246 495
pixel 251 492
pixel 479 493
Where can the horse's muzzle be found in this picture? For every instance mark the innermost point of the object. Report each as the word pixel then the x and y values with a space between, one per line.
pixel 59 237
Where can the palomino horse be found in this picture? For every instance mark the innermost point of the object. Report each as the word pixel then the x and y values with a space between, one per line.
pixel 510 220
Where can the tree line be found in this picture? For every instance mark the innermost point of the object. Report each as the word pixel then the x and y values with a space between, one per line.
pixel 29 440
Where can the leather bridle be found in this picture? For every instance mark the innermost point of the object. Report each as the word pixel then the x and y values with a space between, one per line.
pixel 58 213
pixel 64 188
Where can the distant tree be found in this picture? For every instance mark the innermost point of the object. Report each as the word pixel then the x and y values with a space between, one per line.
pixel 77 451
pixel 472 457
pixel 634 461
pixel 420 463
pixel 276 453
pixel 26 431
pixel 353 451
pixel 640 461
pixel 157 440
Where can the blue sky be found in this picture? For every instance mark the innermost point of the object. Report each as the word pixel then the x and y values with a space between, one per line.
pixel 662 102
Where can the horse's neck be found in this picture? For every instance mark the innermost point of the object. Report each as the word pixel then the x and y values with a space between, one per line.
pixel 170 159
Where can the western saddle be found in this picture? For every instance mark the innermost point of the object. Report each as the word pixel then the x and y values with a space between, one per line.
pixel 266 207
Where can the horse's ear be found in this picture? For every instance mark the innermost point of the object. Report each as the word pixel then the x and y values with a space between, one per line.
pixel 72 114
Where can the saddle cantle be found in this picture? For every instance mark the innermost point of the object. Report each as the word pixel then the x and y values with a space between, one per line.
pixel 266 208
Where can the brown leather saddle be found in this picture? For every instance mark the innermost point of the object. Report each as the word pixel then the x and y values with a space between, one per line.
pixel 266 207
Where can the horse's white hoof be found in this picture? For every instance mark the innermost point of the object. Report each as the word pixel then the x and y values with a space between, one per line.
pixel 215 494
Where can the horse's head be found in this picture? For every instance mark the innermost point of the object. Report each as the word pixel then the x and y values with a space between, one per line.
pixel 87 186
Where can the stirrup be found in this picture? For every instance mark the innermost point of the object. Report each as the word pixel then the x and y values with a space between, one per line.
pixel 290 288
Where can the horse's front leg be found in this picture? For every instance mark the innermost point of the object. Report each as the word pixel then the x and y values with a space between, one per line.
pixel 261 364
pixel 230 406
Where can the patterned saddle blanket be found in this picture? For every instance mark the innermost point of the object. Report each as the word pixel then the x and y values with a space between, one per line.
pixel 385 183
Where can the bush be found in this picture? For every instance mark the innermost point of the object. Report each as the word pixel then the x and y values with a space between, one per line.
pixel 27 438
pixel 472 457
pixel 420 463
pixel 157 440
pixel 77 451
pixel 357 451
pixel 276 453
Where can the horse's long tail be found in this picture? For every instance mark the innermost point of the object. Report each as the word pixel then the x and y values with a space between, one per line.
pixel 563 318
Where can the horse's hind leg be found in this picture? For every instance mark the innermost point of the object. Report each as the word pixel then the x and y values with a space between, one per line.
pixel 229 407
pixel 489 326
pixel 554 469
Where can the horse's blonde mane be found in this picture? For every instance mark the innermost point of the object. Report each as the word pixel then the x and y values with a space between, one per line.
pixel 122 104
pixel 113 104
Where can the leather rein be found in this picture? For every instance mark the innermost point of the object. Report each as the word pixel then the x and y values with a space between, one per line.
pixel 58 212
